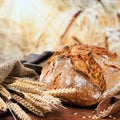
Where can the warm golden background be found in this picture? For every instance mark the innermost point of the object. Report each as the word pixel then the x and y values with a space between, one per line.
pixel 32 26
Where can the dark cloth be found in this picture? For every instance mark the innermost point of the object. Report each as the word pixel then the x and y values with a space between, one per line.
pixel 36 61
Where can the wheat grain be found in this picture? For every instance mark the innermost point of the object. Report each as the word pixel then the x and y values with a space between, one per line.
pixel 18 111
pixel 3 106
pixel 26 104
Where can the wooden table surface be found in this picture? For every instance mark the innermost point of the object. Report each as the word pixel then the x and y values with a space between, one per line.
pixel 70 113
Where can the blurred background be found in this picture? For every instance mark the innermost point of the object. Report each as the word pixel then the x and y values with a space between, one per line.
pixel 33 26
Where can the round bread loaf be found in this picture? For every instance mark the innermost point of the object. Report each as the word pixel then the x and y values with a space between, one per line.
pixel 82 67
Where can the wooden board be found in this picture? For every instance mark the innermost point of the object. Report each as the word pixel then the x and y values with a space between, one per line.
pixel 70 113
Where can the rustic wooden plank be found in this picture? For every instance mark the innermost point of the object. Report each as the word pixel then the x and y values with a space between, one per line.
pixel 70 113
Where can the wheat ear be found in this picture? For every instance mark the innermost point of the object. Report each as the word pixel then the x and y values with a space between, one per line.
pixel 51 100
pixel 62 92
pixel 24 88
pixel 3 106
pixel 44 107
pixel 18 111
pixel 37 98
pixel 28 105
pixel 4 92
pixel 30 82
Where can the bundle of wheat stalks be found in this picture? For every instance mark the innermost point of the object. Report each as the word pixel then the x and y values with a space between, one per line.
pixel 30 94
pixel 57 23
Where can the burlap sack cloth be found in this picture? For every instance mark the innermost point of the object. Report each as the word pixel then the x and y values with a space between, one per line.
pixel 14 68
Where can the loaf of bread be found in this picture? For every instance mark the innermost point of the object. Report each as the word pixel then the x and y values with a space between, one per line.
pixel 91 70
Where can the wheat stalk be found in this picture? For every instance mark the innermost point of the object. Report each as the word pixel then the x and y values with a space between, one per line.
pixel 62 92
pixel 28 105
pixel 44 107
pixel 4 92
pixel 37 98
pixel 33 83
pixel 3 106
pixel 30 94
pixel 24 87
pixel 51 100
pixel 18 111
